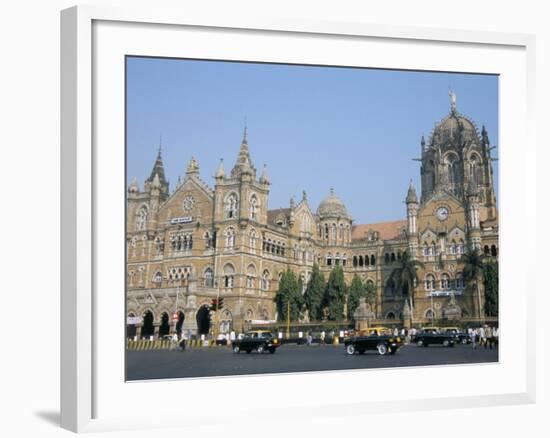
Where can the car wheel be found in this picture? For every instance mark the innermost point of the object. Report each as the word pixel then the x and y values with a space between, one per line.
pixel 350 349
pixel 420 343
pixel 260 349
pixel 446 343
pixel 464 341
pixel 382 349
pixel 236 349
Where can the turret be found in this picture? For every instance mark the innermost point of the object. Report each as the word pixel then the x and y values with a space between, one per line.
pixel 412 218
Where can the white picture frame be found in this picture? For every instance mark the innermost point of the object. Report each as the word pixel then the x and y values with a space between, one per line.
pixel 92 41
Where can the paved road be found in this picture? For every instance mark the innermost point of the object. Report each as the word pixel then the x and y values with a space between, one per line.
pixel 221 361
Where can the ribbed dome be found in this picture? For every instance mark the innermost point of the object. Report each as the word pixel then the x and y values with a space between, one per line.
pixel 453 127
pixel 332 206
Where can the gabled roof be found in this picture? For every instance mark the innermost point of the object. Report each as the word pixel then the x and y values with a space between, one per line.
pixel 272 215
pixel 386 230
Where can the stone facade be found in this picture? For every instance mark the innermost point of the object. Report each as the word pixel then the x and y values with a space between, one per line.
pixel 195 243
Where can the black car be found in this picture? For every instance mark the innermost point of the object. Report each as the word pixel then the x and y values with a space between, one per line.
pixel 433 336
pixel 375 339
pixel 460 336
pixel 258 340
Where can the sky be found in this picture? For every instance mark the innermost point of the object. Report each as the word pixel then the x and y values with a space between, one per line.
pixel 356 130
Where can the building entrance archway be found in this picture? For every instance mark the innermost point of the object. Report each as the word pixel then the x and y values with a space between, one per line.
pixel 148 327
pixel 203 320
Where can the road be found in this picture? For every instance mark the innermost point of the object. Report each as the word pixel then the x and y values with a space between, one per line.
pixel 221 361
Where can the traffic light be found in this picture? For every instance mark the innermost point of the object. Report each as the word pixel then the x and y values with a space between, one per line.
pixel 214 306
pixel 220 303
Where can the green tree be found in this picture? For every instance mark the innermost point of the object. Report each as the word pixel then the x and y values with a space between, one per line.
pixel 490 280
pixel 287 296
pixel 313 296
pixel 335 294
pixel 357 290
pixel 405 277
pixel 473 272
pixel 370 294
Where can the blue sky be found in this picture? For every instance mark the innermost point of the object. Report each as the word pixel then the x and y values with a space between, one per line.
pixel 356 130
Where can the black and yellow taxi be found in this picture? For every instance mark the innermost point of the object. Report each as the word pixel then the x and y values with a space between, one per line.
pixel 256 340
pixel 434 336
pixel 380 339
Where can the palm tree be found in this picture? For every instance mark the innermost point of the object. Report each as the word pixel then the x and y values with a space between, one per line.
pixel 405 277
pixel 473 262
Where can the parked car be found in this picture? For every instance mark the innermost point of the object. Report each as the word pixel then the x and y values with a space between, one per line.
pixel 257 340
pixel 375 338
pixel 434 336
pixel 460 336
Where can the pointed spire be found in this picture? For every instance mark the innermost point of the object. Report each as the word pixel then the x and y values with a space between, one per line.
pixel 159 155
pixel 220 173
pixel 411 194
pixel 134 187
pixel 158 169
pixel 244 163
pixel 423 142
pixel 264 178
pixel 304 195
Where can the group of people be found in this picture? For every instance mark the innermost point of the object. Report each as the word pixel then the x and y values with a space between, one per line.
pixel 484 336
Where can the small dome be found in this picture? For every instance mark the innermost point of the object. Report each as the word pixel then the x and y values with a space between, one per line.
pixel 332 206
pixel 454 127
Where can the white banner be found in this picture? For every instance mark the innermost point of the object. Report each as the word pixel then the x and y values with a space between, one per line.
pixel 444 293
pixel 133 320
pixel 181 220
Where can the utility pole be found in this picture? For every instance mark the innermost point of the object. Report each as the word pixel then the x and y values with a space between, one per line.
pixel 288 319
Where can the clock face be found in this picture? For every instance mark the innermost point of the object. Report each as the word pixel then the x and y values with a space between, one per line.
pixel 442 213
pixel 188 203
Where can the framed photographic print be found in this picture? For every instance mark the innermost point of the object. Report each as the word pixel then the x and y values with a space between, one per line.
pixel 291 205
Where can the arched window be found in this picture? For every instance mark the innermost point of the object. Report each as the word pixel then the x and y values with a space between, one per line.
pixel 141 221
pixel 461 247
pixel 231 204
pixel 354 261
pixel 390 315
pixel 334 232
pixel 326 231
pixel 445 281
pixel 254 207
pixel 367 262
pixel 228 275
pixel 208 277
pixel 372 260
pixel 460 283
pixel 159 246
pixel 434 249
pixel 250 276
pixel 230 238
pixel 370 283
pixel 426 250
pixel 360 260
pixel 386 258
pixel 430 282
pixel 329 259
pixel 430 314
pixel 486 250
pixel 392 257
pixel 253 239
pixel 265 280
pixel 208 240
pixel 494 250
pixel 453 247
pixel 341 234
pixel 337 259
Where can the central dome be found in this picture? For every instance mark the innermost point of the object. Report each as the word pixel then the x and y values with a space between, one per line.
pixel 332 206
pixel 455 127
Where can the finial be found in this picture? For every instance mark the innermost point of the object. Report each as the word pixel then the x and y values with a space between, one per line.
pixel 245 133
pixel 160 146
pixel 264 178
pixel 304 195
pixel 193 166
pixel 422 141
pixel 452 96
pixel 220 173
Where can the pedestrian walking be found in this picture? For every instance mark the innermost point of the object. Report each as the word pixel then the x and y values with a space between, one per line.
pixel 488 338
pixel 174 341
pixel 495 336
pixel 482 336
pixel 322 337
pixel 309 338
pixel 473 336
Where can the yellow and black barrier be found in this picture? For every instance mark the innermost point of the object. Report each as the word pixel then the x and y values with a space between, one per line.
pixel 143 344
